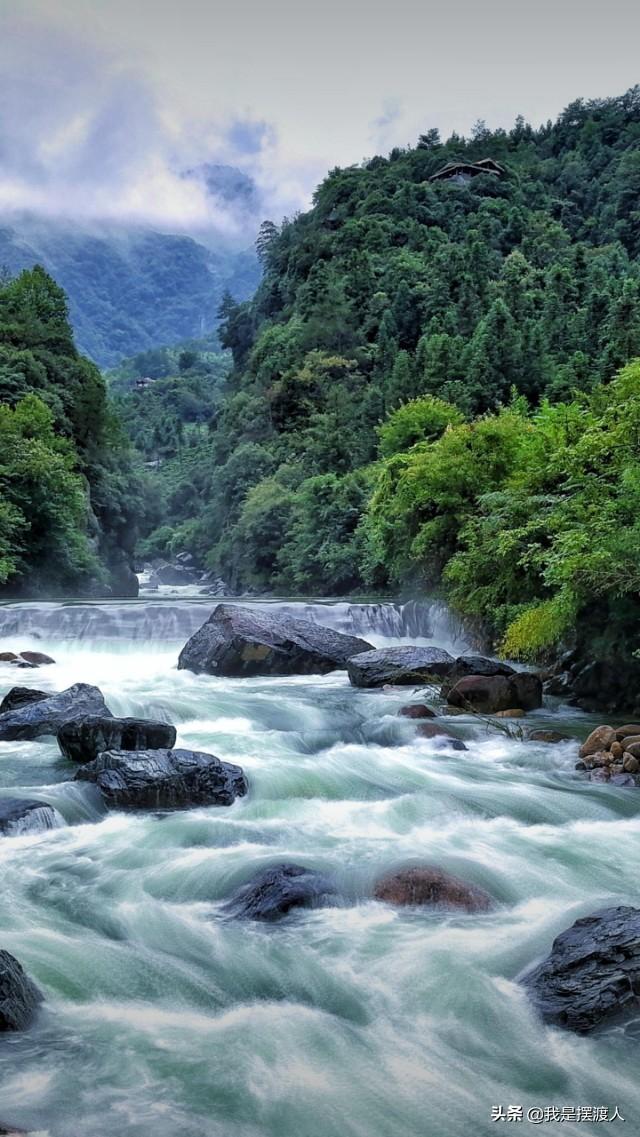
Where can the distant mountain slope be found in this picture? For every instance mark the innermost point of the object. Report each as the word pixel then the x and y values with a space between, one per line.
pixel 129 289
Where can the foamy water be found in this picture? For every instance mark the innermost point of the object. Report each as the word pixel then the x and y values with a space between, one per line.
pixel 162 1019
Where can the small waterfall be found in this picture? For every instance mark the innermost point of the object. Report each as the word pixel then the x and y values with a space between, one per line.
pixel 172 620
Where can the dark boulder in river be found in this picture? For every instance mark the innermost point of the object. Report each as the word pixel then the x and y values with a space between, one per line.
pixel 34 658
pixel 592 976
pixel 433 887
pixel 22 815
pixel 275 891
pixel 487 694
pixel 21 697
pixel 47 715
pixel 81 740
pixel 399 666
pixel 238 641
pixel 163 779
pixel 177 574
pixel 19 996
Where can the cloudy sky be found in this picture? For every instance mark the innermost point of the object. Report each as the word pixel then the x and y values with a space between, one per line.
pixel 105 104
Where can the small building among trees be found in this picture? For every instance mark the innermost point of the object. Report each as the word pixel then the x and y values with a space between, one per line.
pixel 463 172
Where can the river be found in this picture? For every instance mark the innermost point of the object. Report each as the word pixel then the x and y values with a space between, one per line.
pixel 164 1019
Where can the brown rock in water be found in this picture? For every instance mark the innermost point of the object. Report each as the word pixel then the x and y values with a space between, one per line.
pixel 431 886
pixel 630 764
pixel 550 736
pixel 417 711
pixel 632 745
pixel 627 731
pixel 487 694
pixel 617 750
pixel 599 739
pixel 431 730
pixel 602 758
pixel 7 657
pixel 511 713
pixel 36 658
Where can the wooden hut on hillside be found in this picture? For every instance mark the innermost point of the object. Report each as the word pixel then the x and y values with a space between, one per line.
pixel 463 172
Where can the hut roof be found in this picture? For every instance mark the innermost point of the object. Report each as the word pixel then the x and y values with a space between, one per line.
pixel 468 169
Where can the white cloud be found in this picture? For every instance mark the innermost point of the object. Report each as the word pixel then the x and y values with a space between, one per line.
pixel 104 106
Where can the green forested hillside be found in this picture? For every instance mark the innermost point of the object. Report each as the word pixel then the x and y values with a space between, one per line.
pixel 512 299
pixel 69 496
pixel 129 289
pixel 167 400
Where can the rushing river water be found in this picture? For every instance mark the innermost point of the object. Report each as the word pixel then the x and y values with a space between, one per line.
pixel 163 1019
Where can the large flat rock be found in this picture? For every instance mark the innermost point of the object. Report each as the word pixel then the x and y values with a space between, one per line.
pixel 399 665
pixel 592 975
pixel 237 641
pixel 46 716
pixel 81 740
pixel 163 779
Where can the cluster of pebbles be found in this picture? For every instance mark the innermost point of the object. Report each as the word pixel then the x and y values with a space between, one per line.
pixel 612 754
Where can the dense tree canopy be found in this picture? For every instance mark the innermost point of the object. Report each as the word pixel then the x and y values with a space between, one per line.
pixel 69 497
pixel 408 338
pixel 433 387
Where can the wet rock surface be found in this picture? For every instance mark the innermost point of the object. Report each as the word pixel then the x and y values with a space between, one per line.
pixel 21 697
pixel 19 996
pixel 46 716
pixel 81 740
pixel 275 891
pixel 552 737
pixel 399 666
pixel 440 735
pixel 34 659
pixel 23 815
pixel 417 711
pixel 163 779
pixel 176 574
pixel 474 665
pixel 486 694
pixel 431 886
pixel 237 641
pixel 592 975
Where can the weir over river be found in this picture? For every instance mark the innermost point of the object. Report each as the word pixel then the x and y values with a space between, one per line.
pixel 166 1018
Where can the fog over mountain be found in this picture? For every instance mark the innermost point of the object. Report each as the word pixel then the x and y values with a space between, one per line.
pixel 132 120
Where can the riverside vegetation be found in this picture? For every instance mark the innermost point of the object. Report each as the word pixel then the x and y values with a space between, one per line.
pixel 434 387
